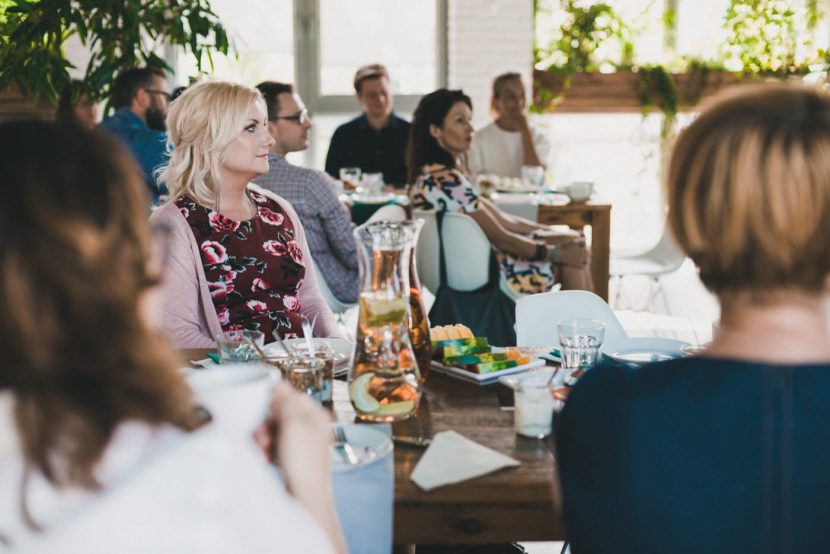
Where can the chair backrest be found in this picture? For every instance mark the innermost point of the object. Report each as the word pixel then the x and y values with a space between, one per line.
pixel 335 305
pixel 661 259
pixel 667 252
pixel 466 251
pixel 389 212
pixel 538 314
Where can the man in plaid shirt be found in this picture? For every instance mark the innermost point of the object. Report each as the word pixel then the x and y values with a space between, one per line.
pixel 313 194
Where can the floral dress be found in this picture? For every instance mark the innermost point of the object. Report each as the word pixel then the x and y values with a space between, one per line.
pixel 448 190
pixel 254 268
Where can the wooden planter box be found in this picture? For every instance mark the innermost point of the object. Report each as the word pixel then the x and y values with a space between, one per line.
pixel 14 105
pixel 620 91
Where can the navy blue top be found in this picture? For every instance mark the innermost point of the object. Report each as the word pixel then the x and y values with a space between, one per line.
pixel 147 145
pixel 357 144
pixel 697 455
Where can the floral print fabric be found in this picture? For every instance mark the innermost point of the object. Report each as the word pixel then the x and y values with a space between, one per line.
pixel 443 189
pixel 253 267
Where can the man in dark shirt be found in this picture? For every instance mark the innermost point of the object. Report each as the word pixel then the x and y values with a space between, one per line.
pixel 376 140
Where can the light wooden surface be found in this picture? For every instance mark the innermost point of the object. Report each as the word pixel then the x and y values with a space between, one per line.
pixel 597 214
pixel 513 504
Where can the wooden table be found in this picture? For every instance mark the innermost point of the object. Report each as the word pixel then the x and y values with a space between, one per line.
pixel 513 504
pixel 595 213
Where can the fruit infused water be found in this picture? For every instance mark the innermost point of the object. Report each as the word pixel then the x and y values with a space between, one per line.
pixel 384 378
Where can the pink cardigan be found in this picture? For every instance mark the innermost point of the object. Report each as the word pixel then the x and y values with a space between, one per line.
pixel 190 319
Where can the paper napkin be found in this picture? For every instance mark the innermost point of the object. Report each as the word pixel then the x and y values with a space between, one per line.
pixel 452 458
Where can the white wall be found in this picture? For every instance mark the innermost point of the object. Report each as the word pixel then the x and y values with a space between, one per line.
pixel 485 38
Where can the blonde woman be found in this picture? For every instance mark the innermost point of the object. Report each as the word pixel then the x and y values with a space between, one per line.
pixel 727 451
pixel 101 447
pixel 239 253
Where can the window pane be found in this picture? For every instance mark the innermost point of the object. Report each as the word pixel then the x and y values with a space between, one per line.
pixel 360 32
pixel 262 33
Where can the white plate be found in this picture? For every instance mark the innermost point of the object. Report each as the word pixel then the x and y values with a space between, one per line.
pixel 342 350
pixel 486 378
pixel 641 350
pixel 224 375
pixel 369 444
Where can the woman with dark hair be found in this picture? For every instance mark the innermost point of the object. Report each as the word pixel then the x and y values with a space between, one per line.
pixel 76 106
pixel 532 257
pixel 101 447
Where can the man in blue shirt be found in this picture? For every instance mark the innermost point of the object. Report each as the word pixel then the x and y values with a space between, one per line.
pixel 140 97
pixel 376 140
pixel 313 194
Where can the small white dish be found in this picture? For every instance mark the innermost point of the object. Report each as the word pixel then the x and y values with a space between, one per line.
pixel 641 350
pixel 369 444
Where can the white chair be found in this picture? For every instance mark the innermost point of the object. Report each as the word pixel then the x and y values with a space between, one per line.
pixel 389 212
pixel 337 306
pixel 538 314
pixel 663 258
pixel 466 251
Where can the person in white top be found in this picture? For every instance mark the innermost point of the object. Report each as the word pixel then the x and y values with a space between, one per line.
pixel 102 446
pixel 510 141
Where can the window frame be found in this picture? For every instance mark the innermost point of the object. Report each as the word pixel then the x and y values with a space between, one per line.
pixel 307 66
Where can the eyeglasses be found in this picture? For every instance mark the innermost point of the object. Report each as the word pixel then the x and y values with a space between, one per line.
pixel 300 118
pixel 166 95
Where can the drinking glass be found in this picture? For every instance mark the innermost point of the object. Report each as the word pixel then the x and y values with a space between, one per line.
pixel 235 346
pixel 372 182
pixel 350 177
pixel 533 406
pixel 324 353
pixel 533 175
pixel 305 374
pixel 580 340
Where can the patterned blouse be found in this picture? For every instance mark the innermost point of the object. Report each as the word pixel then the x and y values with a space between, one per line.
pixel 441 188
pixel 253 267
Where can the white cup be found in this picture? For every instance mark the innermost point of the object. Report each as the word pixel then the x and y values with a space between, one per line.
pixel 580 191
pixel 533 406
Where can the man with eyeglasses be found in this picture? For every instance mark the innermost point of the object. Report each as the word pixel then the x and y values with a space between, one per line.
pixel 140 97
pixel 375 141
pixel 313 194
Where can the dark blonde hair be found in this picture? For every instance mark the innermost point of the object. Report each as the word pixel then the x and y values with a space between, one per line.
pixel 367 72
pixel 748 188
pixel 76 354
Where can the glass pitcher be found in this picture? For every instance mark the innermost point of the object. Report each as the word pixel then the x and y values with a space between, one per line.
pixel 384 378
pixel 416 318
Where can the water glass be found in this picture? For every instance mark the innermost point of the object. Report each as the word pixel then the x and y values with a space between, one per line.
pixel 533 406
pixel 305 374
pixel 372 182
pixel 580 340
pixel 533 175
pixel 350 177
pixel 235 346
pixel 324 353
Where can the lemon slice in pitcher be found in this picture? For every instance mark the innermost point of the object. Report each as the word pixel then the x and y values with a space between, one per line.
pixel 359 393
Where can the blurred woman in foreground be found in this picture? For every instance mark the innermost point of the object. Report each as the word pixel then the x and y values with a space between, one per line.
pixel 727 451
pixel 101 447
pixel 240 259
